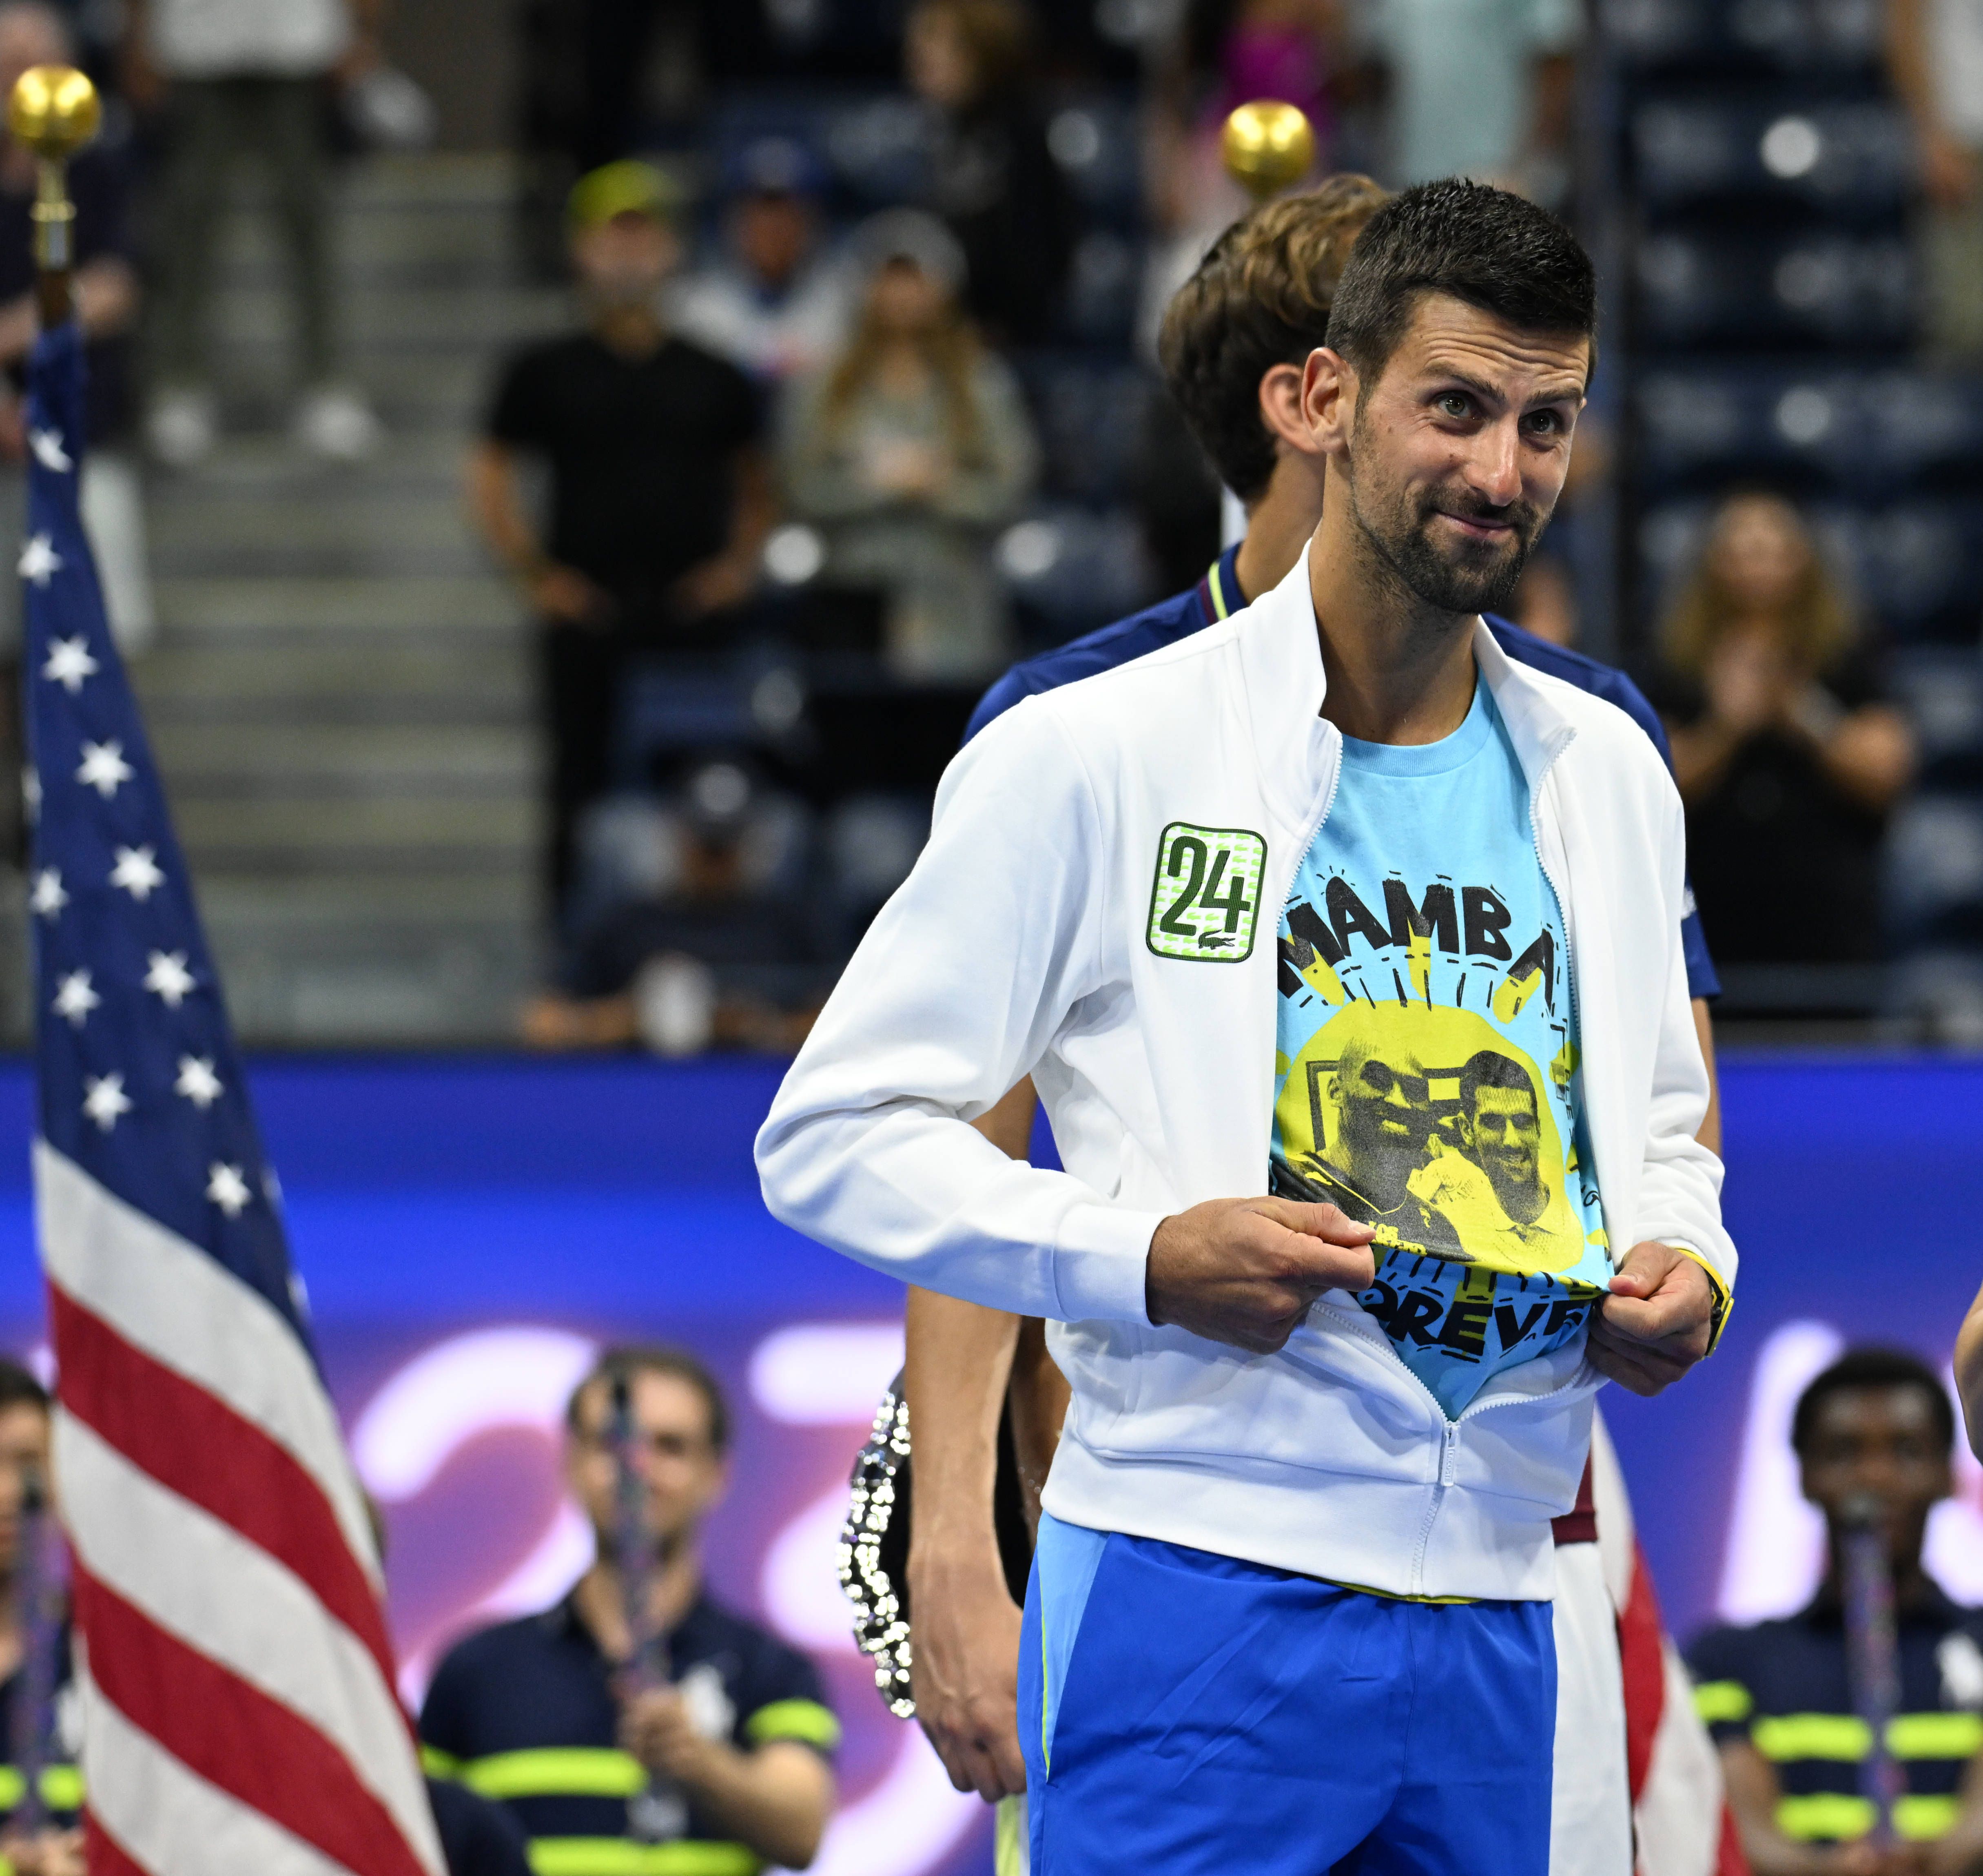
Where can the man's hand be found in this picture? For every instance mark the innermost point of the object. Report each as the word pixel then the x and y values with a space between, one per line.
pixel 567 595
pixel 715 585
pixel 655 1728
pixel 964 1674
pixel 47 1853
pixel 1656 1324
pixel 1244 1271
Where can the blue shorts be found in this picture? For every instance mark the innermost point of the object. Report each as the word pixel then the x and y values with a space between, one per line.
pixel 1187 1714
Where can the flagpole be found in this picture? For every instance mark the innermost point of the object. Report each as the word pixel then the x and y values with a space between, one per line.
pixel 54 113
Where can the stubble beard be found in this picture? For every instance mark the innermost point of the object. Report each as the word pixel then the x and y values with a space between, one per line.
pixel 1402 548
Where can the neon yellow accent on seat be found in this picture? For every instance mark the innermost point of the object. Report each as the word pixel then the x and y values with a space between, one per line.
pixel 1782 1737
pixel 805 1721
pixel 619 1856
pixel 1921 1820
pixel 1936 1735
pixel 1834 1814
pixel 1723 1703
pixel 437 1764
pixel 556 1771
pixel 61 1787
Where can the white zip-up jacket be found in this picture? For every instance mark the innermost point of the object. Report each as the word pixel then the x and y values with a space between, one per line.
pixel 1020 945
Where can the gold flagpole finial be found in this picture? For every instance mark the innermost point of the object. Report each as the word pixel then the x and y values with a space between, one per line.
pixel 53 111
pixel 1267 146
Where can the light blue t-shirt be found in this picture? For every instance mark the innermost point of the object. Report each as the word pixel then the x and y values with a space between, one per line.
pixel 1425 1077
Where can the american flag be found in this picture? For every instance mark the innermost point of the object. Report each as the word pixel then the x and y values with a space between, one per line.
pixel 237 1684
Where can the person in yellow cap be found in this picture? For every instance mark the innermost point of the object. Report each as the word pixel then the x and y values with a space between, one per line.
pixel 659 500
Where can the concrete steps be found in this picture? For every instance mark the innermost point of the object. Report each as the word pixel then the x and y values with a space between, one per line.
pixel 339 693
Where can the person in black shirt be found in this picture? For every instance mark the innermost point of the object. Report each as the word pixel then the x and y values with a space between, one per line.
pixel 1777 1696
pixel 659 500
pixel 726 1767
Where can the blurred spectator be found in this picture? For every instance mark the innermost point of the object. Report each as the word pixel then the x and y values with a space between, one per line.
pixel 1228 53
pixel 659 501
pixel 909 451
pixel 32 33
pixel 1785 756
pixel 734 1743
pixel 1479 89
pixel 56 1848
pixel 992 178
pixel 1876 1428
pixel 775 303
pixel 691 926
pixel 1935 58
pixel 1545 602
pixel 246 78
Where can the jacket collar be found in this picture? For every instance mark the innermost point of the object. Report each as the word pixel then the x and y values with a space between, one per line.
pixel 1280 655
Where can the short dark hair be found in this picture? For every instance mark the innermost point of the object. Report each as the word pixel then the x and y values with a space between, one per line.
pixel 1260 298
pixel 1493 250
pixel 1491 1069
pixel 19 1388
pixel 625 1360
pixel 1869 1367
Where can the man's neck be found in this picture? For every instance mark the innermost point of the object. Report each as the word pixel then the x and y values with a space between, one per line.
pixel 602 1606
pixel 634 332
pixel 1279 525
pixel 1398 669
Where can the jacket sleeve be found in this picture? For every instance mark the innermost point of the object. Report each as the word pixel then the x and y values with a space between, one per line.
pixel 1679 1189
pixel 954 993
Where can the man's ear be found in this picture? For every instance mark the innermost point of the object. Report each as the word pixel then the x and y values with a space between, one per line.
pixel 1327 401
pixel 1281 410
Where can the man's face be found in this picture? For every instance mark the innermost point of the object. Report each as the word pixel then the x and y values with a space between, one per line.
pixel 683 1473
pixel 1507 1138
pixel 773 234
pixel 624 261
pixel 1882 1443
pixel 23 1448
pixel 1459 451
pixel 1386 1121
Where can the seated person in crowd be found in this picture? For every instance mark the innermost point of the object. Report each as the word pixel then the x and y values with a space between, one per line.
pixel 726 1762
pixel 56 1848
pixel 689 925
pixel 659 502
pixel 1785 756
pixel 1777 1696
pixel 773 302
pixel 909 451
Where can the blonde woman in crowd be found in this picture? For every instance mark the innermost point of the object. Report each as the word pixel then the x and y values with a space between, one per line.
pixel 1786 755
pixel 909 451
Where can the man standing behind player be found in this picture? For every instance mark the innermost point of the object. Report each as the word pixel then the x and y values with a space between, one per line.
pixel 1216 1522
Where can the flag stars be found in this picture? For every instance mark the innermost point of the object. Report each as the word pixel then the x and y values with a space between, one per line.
pixel 168 979
pixel 227 1188
pixel 39 561
pixel 47 445
pixel 49 895
pixel 75 997
pixel 104 1099
pixel 70 662
pixel 197 1081
pixel 104 768
pixel 137 871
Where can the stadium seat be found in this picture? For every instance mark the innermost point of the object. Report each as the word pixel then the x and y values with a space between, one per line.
pixel 1852 159
pixel 1934 871
pixel 1732 290
pixel 1941 688
pixel 1725 37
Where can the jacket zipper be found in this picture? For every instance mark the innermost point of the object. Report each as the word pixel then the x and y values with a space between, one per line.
pixel 1449 1429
